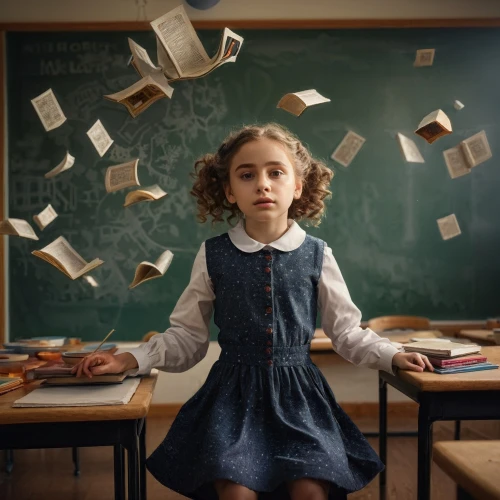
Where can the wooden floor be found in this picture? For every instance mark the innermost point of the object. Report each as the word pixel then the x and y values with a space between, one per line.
pixel 48 473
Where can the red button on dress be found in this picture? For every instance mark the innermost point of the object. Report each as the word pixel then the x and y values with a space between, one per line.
pixel 267 289
pixel 267 270
pixel 269 342
pixel 268 257
pixel 269 331
pixel 269 310
pixel 268 351
pixel 269 362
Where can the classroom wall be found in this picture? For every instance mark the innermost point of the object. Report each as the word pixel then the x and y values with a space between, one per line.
pixel 130 10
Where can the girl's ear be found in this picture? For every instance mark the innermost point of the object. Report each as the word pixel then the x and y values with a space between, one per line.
pixel 298 189
pixel 229 193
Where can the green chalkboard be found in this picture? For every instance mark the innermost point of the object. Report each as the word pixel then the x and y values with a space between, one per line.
pixel 381 221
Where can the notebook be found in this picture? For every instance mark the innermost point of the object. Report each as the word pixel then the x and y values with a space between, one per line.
pixel 87 395
pixel 468 368
pixel 444 349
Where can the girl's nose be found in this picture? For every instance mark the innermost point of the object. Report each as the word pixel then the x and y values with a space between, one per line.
pixel 262 184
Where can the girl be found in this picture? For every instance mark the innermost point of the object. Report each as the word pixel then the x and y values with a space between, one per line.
pixel 265 419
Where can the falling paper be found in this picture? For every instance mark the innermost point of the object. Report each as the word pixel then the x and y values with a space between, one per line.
pixel 448 227
pixel 348 148
pixel 100 137
pixel 424 57
pixel 409 149
pixel 49 111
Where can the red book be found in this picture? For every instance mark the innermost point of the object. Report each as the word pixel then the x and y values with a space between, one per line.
pixel 461 361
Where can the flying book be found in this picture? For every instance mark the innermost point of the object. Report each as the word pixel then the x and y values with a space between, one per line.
pixel 448 227
pixel 458 105
pixel 424 57
pixel 139 96
pixel 100 138
pixel 45 217
pixel 147 271
pixel 17 227
pixel 297 102
pixel 464 369
pixel 445 349
pixel 476 149
pixel 66 163
pixel 121 176
pixel 150 193
pixel 348 148
pixel 141 61
pixel 409 149
pixel 183 55
pixel 48 110
pixel 64 257
pixel 433 126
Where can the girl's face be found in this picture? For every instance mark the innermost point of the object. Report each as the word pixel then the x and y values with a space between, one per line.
pixel 262 180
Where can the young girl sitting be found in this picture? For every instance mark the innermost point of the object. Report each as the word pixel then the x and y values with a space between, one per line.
pixel 265 421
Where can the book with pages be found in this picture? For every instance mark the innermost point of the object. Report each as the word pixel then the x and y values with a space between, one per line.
pixel 17 227
pixel 147 271
pixel 48 110
pixel 150 193
pixel 100 138
pixel 67 162
pixel 348 148
pixel 444 349
pixel 297 102
pixel 448 227
pixel 409 149
pixel 45 217
pixel 139 96
pixel 141 61
pixel 121 176
pixel 434 125
pixel 424 57
pixel 183 55
pixel 64 257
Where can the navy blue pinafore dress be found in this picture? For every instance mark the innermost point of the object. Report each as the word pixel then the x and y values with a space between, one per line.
pixel 265 415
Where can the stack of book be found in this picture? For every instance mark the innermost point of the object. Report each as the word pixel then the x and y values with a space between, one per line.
pixel 451 357
pixel 60 374
pixel 9 384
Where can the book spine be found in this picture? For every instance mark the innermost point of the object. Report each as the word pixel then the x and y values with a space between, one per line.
pixel 456 362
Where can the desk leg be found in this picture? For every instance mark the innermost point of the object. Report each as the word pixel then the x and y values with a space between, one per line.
pixel 457 430
pixel 142 460
pixel 9 461
pixel 424 452
pixel 133 469
pixel 76 461
pixel 382 401
pixel 119 460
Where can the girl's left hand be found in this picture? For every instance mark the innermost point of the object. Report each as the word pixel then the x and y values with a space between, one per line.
pixel 412 361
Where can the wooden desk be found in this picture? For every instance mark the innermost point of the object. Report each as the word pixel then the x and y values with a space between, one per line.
pixel 473 465
pixel 459 396
pixel 120 426
pixel 482 337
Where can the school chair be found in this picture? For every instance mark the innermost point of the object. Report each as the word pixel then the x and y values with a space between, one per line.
pixel 149 335
pixel 473 465
pixel 384 323
pixel 9 461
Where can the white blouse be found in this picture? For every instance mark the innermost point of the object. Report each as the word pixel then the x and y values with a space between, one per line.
pixel 186 342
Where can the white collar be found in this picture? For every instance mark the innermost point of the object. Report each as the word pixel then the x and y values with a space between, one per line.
pixel 291 240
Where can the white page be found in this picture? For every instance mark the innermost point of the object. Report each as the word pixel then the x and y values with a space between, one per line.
pixel 67 162
pixel 477 149
pixel 456 162
pixel 99 137
pixel 91 281
pixel 424 57
pixel 448 227
pixel 45 217
pixel 409 149
pixel 121 176
pixel 311 97
pixel 88 395
pixel 348 148
pixel 17 227
pixel 49 110
pixel 142 61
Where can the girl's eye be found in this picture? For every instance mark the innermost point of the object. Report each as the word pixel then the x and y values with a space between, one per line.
pixel 276 173
pixel 246 176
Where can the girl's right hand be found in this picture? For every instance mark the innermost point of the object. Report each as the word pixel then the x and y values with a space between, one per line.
pixel 104 362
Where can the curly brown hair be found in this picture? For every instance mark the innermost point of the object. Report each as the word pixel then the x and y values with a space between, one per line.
pixel 211 174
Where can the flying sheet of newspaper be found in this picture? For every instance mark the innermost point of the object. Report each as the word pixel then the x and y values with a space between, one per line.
pixel 185 50
pixel 48 110
pixel 100 137
pixel 348 148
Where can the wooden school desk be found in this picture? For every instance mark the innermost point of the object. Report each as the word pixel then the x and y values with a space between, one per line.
pixel 120 426
pixel 459 396
pixel 482 337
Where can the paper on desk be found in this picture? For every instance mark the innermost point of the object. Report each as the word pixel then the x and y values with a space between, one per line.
pixel 89 395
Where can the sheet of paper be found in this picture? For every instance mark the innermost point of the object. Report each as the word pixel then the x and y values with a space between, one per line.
pixel 409 149
pixel 348 148
pixel 66 163
pixel 91 281
pixel 424 57
pixel 17 227
pixel 448 227
pixel 456 162
pixel 100 137
pixel 45 217
pixel 121 176
pixel 476 149
pixel 49 110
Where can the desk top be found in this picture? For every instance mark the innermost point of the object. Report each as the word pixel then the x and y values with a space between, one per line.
pixel 480 336
pixel 487 380
pixel 137 407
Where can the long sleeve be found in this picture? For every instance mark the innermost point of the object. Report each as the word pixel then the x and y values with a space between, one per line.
pixel 340 320
pixel 186 342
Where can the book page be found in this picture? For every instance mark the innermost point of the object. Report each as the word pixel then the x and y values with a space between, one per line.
pixel 292 104
pixel 99 137
pixel 17 227
pixel 424 57
pixel 121 176
pixel 409 149
pixel 348 148
pixel 91 281
pixel 165 62
pixel 456 163
pixel 67 162
pixel 311 97
pixel 448 227
pixel 141 60
pixel 45 217
pixel 476 148
pixel 181 42
pixel 164 260
pixel 63 253
pixel 48 110
pixel 144 272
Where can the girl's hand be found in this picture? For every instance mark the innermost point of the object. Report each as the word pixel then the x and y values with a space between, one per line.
pixel 412 361
pixel 104 362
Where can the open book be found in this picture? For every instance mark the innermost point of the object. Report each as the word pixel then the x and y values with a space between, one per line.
pixel 184 55
pixel 64 257
pixel 17 227
pixel 297 102
pixel 66 163
pixel 121 176
pixel 433 126
pixel 45 217
pixel 141 60
pixel 147 271
pixel 150 193
pixel 139 96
